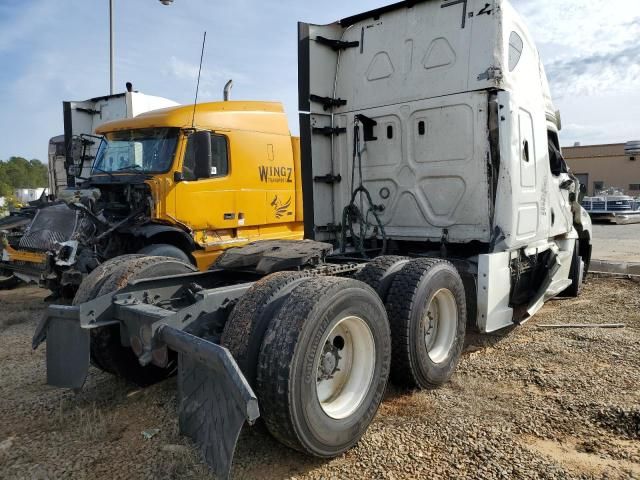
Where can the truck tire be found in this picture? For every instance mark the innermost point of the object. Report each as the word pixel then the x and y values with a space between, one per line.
pixel 248 322
pixel 165 250
pixel 90 287
pixel 380 272
pixel 8 282
pixel 93 282
pixel 324 365
pixel 576 274
pixel 427 312
pixel 107 350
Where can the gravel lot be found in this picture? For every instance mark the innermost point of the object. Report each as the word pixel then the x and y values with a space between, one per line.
pixel 536 404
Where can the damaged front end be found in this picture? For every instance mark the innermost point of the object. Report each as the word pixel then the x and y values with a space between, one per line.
pixel 49 247
pixel 65 241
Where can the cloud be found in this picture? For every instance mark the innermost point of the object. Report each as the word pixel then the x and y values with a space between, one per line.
pixel 50 54
pixel 586 45
pixel 591 74
pixel 577 133
pixel 211 80
pixel 581 24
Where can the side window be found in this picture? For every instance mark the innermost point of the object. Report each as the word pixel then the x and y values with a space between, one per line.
pixel 220 158
pixel 220 164
pixel 556 160
pixel 189 166
pixel 516 46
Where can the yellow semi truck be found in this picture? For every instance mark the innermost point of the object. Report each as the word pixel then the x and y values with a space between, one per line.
pixel 182 182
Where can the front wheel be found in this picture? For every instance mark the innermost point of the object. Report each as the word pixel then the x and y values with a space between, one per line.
pixel 165 250
pixel 8 281
pixel 324 365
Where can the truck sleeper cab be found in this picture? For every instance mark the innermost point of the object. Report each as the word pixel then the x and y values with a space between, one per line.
pixel 436 204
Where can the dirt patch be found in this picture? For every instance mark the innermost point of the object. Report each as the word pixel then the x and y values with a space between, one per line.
pixel 531 404
pixel 573 456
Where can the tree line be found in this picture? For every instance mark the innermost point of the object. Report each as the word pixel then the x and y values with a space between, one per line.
pixel 18 172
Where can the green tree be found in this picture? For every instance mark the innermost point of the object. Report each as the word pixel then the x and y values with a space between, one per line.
pixel 19 172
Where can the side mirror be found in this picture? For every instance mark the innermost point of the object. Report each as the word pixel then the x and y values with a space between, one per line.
pixel 203 154
pixel 74 170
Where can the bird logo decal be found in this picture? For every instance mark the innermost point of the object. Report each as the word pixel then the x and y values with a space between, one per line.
pixel 281 208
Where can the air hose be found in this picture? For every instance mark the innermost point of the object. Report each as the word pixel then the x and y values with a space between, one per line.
pixel 352 214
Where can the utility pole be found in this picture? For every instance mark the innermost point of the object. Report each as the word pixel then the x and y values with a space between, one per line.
pixel 111 69
pixel 112 73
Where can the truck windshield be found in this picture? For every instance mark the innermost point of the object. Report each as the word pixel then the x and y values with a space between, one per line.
pixel 148 150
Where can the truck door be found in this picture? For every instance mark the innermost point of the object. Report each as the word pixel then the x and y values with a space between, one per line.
pixel 561 188
pixel 522 205
pixel 207 203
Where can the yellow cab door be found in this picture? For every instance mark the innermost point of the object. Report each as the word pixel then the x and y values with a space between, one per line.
pixel 206 196
pixel 266 185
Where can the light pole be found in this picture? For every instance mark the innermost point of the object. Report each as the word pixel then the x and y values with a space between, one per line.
pixel 112 73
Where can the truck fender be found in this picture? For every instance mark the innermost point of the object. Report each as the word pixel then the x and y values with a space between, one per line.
pixel 164 234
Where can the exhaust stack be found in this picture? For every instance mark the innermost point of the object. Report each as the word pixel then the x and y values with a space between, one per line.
pixel 227 90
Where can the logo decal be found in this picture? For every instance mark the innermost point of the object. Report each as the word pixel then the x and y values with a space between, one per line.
pixel 281 208
pixel 275 174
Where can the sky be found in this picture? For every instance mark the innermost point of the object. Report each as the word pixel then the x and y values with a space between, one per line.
pixel 55 50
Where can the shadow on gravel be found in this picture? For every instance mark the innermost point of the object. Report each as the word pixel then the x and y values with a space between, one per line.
pixel 621 421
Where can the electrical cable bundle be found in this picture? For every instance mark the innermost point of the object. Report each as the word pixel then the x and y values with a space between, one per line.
pixel 352 214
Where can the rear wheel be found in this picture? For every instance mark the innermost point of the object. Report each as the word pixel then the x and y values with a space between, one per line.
pixel 106 347
pixel 165 250
pixel 324 365
pixel 380 272
pixel 246 326
pixel 427 313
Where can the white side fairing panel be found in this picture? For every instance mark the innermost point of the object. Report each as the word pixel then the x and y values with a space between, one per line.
pixel 494 289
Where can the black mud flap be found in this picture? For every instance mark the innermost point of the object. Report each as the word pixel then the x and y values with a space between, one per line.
pixel 67 353
pixel 214 398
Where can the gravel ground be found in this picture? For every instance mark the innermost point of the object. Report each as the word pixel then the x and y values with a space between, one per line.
pixel 535 404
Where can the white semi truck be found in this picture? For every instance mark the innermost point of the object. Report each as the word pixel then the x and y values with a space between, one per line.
pixel 71 155
pixel 437 204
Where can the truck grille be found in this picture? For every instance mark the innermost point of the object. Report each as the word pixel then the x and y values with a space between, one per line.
pixel 51 225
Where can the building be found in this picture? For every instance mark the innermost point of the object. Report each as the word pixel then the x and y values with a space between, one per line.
pixel 603 166
pixel 26 195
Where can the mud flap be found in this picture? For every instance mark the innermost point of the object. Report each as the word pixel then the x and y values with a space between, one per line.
pixel 214 398
pixel 67 353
